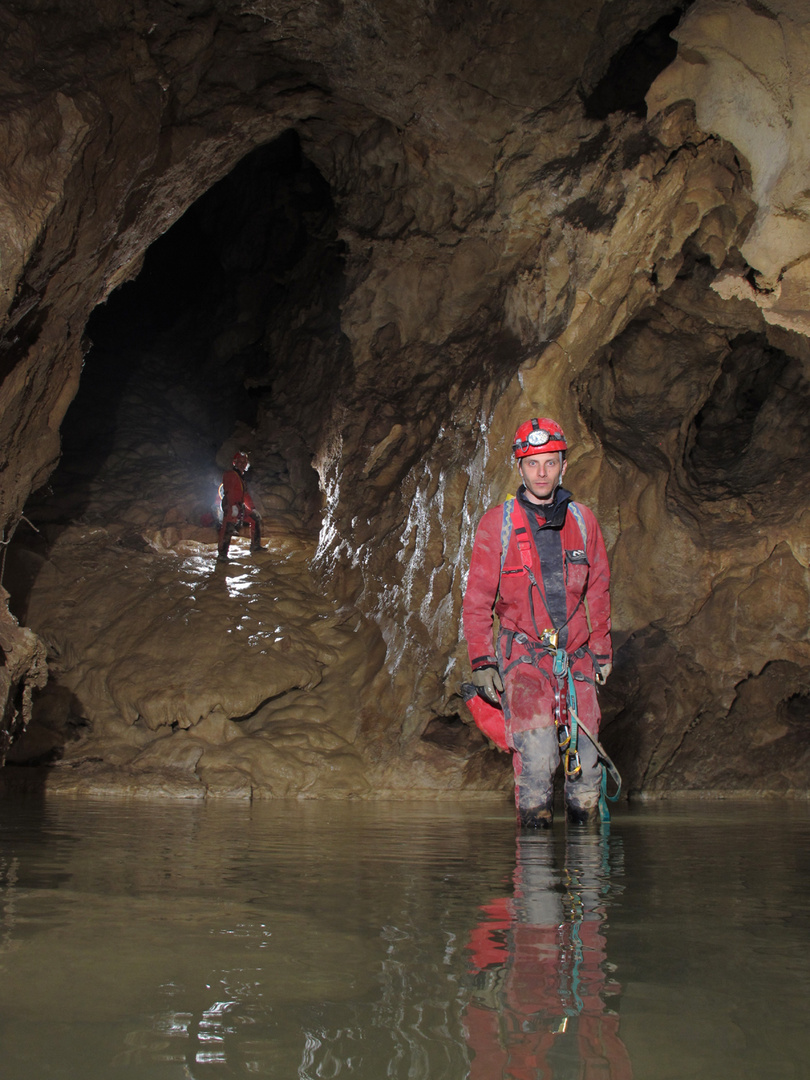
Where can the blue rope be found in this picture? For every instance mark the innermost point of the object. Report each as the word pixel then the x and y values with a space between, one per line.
pixel 562 670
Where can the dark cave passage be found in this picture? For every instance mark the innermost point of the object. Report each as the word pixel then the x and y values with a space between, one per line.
pixel 228 338
pixel 730 405
pixel 229 334
pixel 634 68
pixel 734 446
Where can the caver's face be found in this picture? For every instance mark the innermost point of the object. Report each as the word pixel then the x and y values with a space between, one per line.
pixel 541 473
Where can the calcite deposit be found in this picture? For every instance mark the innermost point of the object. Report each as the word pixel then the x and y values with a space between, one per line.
pixel 747 67
pixel 363 242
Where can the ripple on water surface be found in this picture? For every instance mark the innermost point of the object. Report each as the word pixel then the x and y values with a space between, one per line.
pixel 368 940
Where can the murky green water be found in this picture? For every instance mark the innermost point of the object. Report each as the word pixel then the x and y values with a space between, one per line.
pixel 309 941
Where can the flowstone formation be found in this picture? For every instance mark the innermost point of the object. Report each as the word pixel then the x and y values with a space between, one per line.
pixel 746 67
pixel 416 226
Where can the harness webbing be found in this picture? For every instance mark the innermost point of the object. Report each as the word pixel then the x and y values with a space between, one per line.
pixel 565 692
pixel 524 543
pixel 563 680
pixel 608 768
pixel 506 525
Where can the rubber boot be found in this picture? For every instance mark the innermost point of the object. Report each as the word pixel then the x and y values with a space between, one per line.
pixel 582 815
pixel 534 761
pixel 538 817
pixel 256 534
pixel 224 544
pixel 582 790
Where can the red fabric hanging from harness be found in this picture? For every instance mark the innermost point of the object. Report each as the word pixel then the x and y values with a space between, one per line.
pixel 488 719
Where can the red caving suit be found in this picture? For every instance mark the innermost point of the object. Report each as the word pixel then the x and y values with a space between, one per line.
pixel 238 509
pixel 572 596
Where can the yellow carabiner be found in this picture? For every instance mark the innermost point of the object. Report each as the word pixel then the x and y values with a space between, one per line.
pixel 572 771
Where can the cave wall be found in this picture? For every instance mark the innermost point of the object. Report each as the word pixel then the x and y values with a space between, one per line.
pixel 510 246
pixel 113 131
pixel 712 541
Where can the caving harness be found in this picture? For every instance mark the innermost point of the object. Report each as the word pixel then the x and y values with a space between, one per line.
pixel 225 506
pixel 547 643
pixel 237 522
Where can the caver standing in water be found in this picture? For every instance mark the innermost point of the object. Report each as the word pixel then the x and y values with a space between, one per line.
pixel 539 562
pixel 237 507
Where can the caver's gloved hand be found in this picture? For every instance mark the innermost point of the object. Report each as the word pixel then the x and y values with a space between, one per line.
pixel 604 670
pixel 488 683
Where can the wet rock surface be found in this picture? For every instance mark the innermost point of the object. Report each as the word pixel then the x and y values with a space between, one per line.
pixel 173 673
pixel 418 226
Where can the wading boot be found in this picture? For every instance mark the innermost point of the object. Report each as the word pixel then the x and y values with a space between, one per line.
pixel 538 817
pixel 224 544
pixel 582 815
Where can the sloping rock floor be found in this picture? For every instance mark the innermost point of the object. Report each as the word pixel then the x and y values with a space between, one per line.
pixel 173 674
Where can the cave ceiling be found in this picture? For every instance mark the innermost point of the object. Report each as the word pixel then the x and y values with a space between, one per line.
pixel 428 221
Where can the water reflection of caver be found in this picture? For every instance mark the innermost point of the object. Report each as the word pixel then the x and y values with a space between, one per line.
pixel 539 959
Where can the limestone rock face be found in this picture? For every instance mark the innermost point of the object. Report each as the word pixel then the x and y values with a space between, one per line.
pixel 409 228
pixel 711 548
pixel 747 68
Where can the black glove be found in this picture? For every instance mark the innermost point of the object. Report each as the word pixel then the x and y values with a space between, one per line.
pixel 487 681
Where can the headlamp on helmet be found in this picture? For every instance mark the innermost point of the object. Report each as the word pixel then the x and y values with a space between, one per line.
pixel 538 436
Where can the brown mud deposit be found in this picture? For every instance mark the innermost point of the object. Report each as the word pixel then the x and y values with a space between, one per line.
pixel 410 228
pixel 171 672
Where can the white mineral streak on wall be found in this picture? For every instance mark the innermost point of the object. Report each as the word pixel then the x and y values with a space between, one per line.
pixel 445 607
pixel 395 607
pixel 327 465
pixel 418 528
pixel 426 599
pixel 438 514
pixel 402 602
pixel 477 498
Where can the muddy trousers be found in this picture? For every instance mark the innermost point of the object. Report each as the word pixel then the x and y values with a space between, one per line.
pixel 535 760
pixel 229 527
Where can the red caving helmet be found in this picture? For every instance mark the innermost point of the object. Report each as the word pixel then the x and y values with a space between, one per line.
pixel 538 436
pixel 241 462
